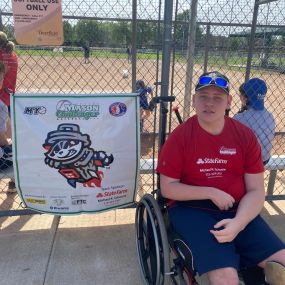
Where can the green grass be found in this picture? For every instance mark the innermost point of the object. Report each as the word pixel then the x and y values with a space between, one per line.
pixel 79 53
pixel 232 61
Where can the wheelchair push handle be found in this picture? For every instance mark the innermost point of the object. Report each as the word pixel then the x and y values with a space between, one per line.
pixel 179 118
pixel 160 99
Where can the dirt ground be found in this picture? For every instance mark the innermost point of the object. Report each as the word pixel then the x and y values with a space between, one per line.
pixel 103 75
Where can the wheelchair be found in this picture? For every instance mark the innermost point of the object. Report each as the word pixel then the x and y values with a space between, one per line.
pixel 164 257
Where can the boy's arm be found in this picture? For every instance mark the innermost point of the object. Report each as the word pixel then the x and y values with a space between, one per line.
pixel 249 207
pixel 252 203
pixel 173 189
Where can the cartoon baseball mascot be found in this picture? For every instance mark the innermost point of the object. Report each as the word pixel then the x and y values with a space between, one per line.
pixel 69 151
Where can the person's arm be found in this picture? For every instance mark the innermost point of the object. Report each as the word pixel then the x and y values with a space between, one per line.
pixel 252 203
pixel 175 190
pixel 249 207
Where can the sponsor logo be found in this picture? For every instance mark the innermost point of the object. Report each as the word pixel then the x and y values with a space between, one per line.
pixel 79 196
pixel 229 151
pixel 58 202
pixel 79 202
pixel 200 161
pixel 67 110
pixel 36 201
pixel 59 208
pixel 114 191
pixel 35 196
pixel 207 160
pixel 111 193
pixel 118 109
pixel 35 110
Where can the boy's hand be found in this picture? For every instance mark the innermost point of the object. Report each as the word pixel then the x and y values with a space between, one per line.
pixel 226 230
pixel 221 199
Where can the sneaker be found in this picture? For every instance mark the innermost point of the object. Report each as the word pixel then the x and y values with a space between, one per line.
pixel 11 187
pixel 275 273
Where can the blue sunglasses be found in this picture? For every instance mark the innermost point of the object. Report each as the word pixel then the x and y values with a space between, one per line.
pixel 218 81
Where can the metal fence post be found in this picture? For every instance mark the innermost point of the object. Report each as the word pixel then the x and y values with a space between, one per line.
pixel 206 58
pixel 1 23
pixel 165 66
pixel 190 59
pixel 134 45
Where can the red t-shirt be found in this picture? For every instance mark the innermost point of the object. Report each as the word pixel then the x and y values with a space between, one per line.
pixel 198 158
pixel 10 78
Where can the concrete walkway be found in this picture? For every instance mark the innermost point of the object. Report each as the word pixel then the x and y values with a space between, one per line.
pixel 94 249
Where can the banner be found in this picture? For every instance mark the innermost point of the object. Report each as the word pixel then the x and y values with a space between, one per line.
pixel 38 22
pixel 76 154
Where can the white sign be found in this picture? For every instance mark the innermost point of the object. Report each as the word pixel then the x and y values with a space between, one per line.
pixel 76 154
pixel 38 22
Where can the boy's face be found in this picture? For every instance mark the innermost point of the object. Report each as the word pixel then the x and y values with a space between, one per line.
pixel 211 103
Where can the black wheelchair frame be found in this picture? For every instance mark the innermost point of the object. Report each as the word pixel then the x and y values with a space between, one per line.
pixel 164 257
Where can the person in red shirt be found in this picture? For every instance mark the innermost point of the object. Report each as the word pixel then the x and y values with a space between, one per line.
pixel 10 59
pixel 211 170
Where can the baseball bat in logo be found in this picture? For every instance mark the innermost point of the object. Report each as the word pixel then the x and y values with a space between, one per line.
pixel 69 151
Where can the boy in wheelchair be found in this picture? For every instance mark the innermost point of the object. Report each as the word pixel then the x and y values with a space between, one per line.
pixel 211 170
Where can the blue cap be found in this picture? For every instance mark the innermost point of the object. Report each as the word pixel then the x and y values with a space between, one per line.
pixel 255 90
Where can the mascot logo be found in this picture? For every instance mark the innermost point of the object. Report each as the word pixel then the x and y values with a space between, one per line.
pixel 69 151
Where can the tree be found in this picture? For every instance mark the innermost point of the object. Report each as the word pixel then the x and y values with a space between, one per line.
pixel 146 33
pixel 9 31
pixel 182 28
pixel 121 34
pixel 68 33
pixel 89 31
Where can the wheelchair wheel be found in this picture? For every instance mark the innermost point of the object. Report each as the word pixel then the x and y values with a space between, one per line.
pixel 152 243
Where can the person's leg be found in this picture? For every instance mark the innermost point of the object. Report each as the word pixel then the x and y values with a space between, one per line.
pixel 218 260
pixel 257 244
pixel 274 267
pixel 223 276
pixel 278 256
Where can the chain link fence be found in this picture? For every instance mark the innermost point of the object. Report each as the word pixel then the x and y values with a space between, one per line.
pixel 241 39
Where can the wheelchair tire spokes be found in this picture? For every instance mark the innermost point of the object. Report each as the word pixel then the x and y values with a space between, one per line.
pixel 152 243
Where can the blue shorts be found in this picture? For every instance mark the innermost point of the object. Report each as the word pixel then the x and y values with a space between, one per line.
pixel 251 246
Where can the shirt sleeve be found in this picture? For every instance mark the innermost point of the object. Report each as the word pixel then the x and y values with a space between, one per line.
pixel 170 162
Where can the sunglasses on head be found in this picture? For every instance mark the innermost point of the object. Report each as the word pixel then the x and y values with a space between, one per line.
pixel 218 81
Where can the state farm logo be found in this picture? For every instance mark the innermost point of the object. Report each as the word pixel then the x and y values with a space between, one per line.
pixel 200 161
pixel 228 151
pixel 207 160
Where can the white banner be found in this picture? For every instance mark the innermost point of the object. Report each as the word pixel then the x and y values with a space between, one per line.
pixel 76 154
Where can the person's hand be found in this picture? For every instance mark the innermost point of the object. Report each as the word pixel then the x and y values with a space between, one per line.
pixel 221 199
pixel 226 230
